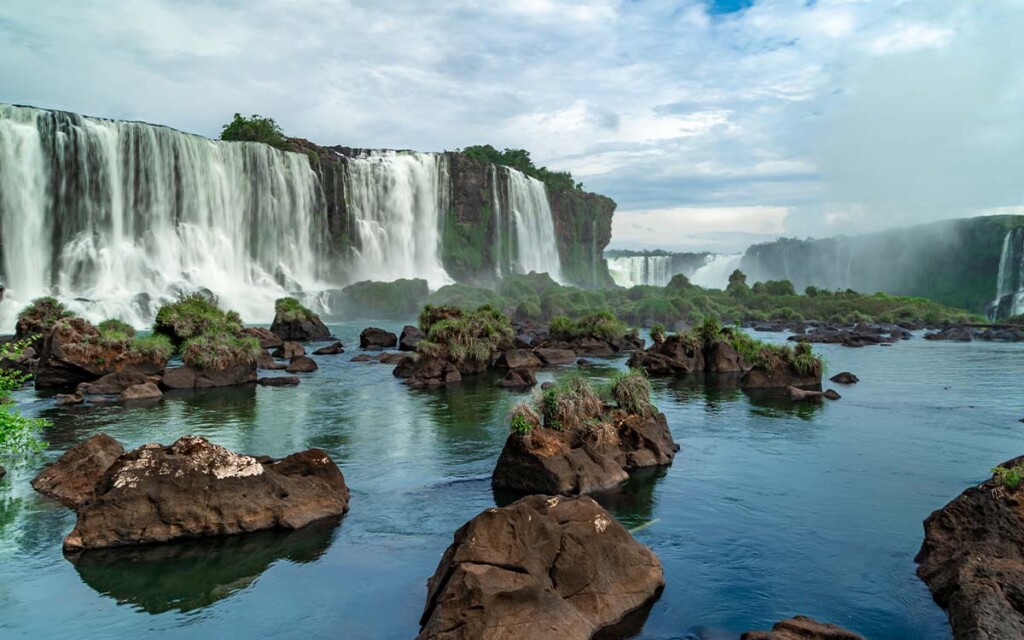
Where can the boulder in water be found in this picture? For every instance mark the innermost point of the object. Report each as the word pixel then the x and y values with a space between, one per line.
pixel 554 357
pixel 186 377
pixel 113 384
pixel 410 336
pixel 144 391
pixel 362 358
pixel 65 399
pixel 302 364
pixel 267 338
pixel 149 495
pixel 289 350
pixel 374 338
pixel 519 379
pixel 73 352
pixel 722 358
pixel 292 321
pixel 425 371
pixel 831 394
pixel 3 472
pixel 802 628
pixel 954 334
pixel 845 377
pixel 279 381
pixel 972 559
pixel 267 362
pixel 796 394
pixel 542 567
pixel 73 477
pixel 332 349
pixel 517 359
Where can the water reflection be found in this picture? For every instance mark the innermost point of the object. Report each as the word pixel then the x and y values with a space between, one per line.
pixel 184 576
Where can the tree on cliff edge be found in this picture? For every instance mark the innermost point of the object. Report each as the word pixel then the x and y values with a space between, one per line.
pixel 253 129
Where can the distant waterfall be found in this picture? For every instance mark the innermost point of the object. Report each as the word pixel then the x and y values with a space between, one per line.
pixel 716 271
pixel 1009 300
pixel 630 271
pixel 524 228
pixel 116 217
pixel 398 200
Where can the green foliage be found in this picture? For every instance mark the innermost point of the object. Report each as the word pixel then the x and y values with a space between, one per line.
pixel 466 338
pixel 737 286
pixel 1017 319
pixel 602 325
pixel 154 347
pixel 291 310
pixel 1009 477
pixel 658 332
pixel 253 129
pixel 220 350
pixel 18 435
pixel 395 300
pixel 116 329
pixel 40 316
pixel 571 404
pixel 631 390
pixel 524 419
pixel 520 159
pixel 194 315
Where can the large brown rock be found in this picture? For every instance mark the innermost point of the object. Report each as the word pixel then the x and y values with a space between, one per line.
pixel 802 628
pixel 588 460
pixel 302 364
pixel 517 359
pixel 3 472
pixel 289 350
pixel 73 477
pixel 72 353
pixel 186 377
pixel 374 338
pixel 332 349
pixel 518 379
pixel 267 363
pixel 972 560
pixel 419 370
pixel 410 336
pixel 268 339
pixel 722 358
pixel 674 356
pixel 113 384
pixel 311 329
pixel 194 488
pixel 144 391
pixel 553 357
pixel 779 379
pixel 540 568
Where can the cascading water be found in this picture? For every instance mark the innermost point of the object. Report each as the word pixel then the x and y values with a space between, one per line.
pixel 716 271
pixel 397 200
pixel 116 217
pixel 631 271
pixel 1009 300
pixel 525 230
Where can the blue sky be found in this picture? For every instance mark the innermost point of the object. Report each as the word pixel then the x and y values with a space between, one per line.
pixel 712 123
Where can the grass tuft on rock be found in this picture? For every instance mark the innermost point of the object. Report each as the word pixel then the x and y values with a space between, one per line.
pixel 291 310
pixel 194 315
pixel 631 390
pixel 465 338
pixel 214 351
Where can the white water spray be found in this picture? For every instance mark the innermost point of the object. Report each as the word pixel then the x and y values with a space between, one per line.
pixel 1009 300
pixel 536 248
pixel 716 271
pixel 631 271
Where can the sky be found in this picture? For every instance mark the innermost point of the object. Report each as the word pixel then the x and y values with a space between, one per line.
pixel 712 123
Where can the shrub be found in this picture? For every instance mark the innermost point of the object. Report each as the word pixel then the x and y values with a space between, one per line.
pixel 468 338
pixel 116 328
pixel 194 315
pixel 1009 477
pixel 40 316
pixel 212 351
pixel 524 419
pixel 570 404
pixel 253 129
pixel 631 390
pixel 658 333
pixel 18 435
pixel 154 347
pixel 291 310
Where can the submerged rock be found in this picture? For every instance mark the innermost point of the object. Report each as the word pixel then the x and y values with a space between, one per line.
pixel 831 394
pixel 519 379
pixel 802 628
pixel 845 377
pixel 65 399
pixel 150 495
pixel 144 391
pixel 3 472
pixel 113 384
pixel 424 371
pixel 186 377
pixel 289 350
pixel 302 364
pixel 540 568
pixel 594 458
pixel 362 358
pixel 796 394
pixel 73 477
pixel 410 336
pixel 972 560
pixel 954 334
pixel 330 350
pixel 374 338
pixel 781 378
pixel 279 381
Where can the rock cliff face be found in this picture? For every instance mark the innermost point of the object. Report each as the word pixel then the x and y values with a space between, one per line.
pixel 469 252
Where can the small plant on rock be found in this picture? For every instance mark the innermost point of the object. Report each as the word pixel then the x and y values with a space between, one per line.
pixel 291 310
pixel 631 390
pixel 1009 477
pixel 524 419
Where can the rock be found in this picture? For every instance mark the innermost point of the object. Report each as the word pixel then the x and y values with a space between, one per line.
pixel 900 333
pixel 972 560
pixel 519 379
pixel 955 334
pixel 330 350
pixel 540 568
pixel 150 495
pixel 311 329
pixel 547 385
pixel 553 357
pixel 289 350
pixel 831 394
pixel 302 364
pixel 186 377
pixel 583 362
pixel 845 377
pixel 722 358
pixel 279 381
pixel 268 339
pixel 802 628
pixel 797 394
pixel 72 354
pixel 410 336
pixel 72 478
pixel 113 384
pixel 362 358
pixel 593 347
pixel 517 359
pixel 674 356
pixel 374 338
pixel 3 472
pixel 779 379
pixel 144 391
pixel 267 363
pixel 65 399
pixel 571 462
pixel 424 371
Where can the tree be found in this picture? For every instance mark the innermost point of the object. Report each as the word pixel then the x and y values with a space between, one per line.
pixel 253 129
pixel 737 286
pixel 18 435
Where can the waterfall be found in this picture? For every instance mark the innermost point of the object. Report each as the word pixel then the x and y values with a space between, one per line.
pixel 715 272
pixel 398 200
pixel 1009 300
pixel 631 271
pixel 528 231
pixel 117 217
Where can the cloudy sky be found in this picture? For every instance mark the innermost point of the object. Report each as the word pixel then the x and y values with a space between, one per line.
pixel 711 122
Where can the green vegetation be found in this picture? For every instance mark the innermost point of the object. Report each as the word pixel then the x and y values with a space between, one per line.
pixel 116 329
pixel 631 390
pixel 1009 477
pixel 537 297
pixel 208 337
pixel 118 335
pixel 395 300
pixel 39 317
pixel 154 347
pixel 465 338
pixel 220 350
pixel 194 315
pixel 18 435
pixel 761 355
pixel 602 325
pixel 570 404
pixel 520 159
pixel 291 310
pixel 253 129
pixel 524 419
pixel 658 332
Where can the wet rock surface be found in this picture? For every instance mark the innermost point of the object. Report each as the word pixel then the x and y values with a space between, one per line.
pixel 332 349
pixel 73 477
pixel 267 338
pixel 186 377
pixel 194 488
pixel 279 381
pixel 144 391
pixel 310 329
pixel 72 354
pixel 374 338
pixel 410 336
pixel 845 377
pixel 289 349
pixel 424 371
pixel 519 379
pixel 802 628
pixel 541 567
pixel 302 364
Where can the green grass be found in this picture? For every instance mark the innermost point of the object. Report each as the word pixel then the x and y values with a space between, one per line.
pixel 465 337
pixel 291 310
pixel 631 391
pixel 194 315
pixel 213 351
pixel 524 419
pixel 154 347
pixel 1009 477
